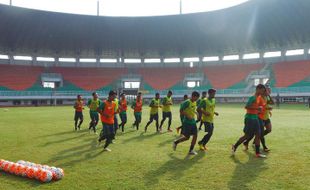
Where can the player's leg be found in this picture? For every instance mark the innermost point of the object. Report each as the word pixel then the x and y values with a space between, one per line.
pixel 209 129
pixel 81 117
pixel 139 118
pixel 268 127
pixel 163 120
pixel 75 121
pixel 157 123
pixel 200 125
pixel 96 120
pixel 248 133
pixel 124 121
pixel 115 125
pixel 109 136
pixel 194 132
pixel 92 121
pixel 149 122
pixel 169 121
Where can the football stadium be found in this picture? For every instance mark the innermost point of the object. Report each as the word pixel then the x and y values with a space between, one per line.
pixel 205 98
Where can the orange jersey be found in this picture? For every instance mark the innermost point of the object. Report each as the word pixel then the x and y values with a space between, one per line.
pixel 123 105
pixel 138 106
pixel 254 104
pixel 79 106
pixel 107 114
pixel 263 103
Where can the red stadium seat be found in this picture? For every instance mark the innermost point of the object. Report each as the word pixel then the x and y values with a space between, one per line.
pixel 16 77
pixel 288 73
pixel 163 78
pixel 224 76
pixel 90 78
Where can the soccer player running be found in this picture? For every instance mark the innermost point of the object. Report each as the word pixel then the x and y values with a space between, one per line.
pixel 203 97
pixel 167 103
pixel 122 111
pixel 264 119
pixel 207 108
pixel 185 97
pixel 154 105
pixel 188 110
pixel 137 107
pixel 93 104
pixel 78 106
pixel 252 126
pixel 107 110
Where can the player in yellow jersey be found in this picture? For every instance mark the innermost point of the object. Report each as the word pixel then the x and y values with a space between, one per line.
pixel 93 104
pixel 154 105
pixel 207 109
pixel 188 109
pixel 167 103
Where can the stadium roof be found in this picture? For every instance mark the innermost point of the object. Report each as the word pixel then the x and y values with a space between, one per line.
pixel 252 26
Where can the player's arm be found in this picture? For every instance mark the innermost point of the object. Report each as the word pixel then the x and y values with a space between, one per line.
pixel 75 105
pixel 152 104
pixel 270 100
pixel 133 105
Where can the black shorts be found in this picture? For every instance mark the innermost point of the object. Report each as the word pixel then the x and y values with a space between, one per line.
pixel 107 130
pixel 208 127
pixel 78 115
pixel 251 127
pixel 167 115
pixel 154 117
pixel 188 130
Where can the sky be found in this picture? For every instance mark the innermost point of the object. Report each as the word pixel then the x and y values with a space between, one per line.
pixel 125 7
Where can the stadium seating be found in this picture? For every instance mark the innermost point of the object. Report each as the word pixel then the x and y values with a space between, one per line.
pixel 289 73
pixel 17 77
pixel 163 78
pixel 90 78
pixel 225 76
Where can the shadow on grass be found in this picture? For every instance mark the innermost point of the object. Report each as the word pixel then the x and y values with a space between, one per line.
pixel 175 167
pixel 140 137
pixel 247 172
pixel 168 141
pixel 64 140
pixel 126 131
pixel 64 133
pixel 76 155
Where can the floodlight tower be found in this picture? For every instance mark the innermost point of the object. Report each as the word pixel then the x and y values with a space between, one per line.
pixel 180 7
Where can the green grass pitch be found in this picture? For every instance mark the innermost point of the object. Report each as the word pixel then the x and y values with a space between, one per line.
pixel 146 161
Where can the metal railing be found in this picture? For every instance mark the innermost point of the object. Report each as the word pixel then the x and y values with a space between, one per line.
pixel 6 93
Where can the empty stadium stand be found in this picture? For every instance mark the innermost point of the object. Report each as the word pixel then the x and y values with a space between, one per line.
pixel 90 78
pixel 163 78
pixel 225 76
pixel 289 73
pixel 16 77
